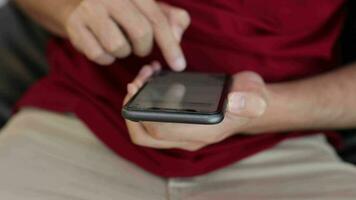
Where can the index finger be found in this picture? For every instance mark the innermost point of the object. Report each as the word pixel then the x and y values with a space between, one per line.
pixel 164 37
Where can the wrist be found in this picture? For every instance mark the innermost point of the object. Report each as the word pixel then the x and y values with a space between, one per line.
pixel 281 113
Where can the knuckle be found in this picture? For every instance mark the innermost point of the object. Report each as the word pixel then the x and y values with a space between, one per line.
pixel 118 47
pixel 112 47
pixel 143 42
pixel 86 6
pixel 158 20
pixel 142 33
pixel 249 73
pixel 250 76
pixel 184 16
pixel 157 134
pixel 72 20
pixel 136 139
pixel 91 10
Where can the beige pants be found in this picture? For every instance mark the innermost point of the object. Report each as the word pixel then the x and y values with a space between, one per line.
pixel 47 156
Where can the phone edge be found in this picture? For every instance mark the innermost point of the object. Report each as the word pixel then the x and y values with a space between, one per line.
pixel 191 118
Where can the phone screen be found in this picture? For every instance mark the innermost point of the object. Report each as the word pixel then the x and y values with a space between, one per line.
pixel 185 91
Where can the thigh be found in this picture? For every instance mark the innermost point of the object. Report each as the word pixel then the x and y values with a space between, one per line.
pixel 49 156
pixel 301 168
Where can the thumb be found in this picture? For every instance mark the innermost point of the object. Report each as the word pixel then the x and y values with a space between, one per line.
pixel 178 18
pixel 248 96
pixel 246 104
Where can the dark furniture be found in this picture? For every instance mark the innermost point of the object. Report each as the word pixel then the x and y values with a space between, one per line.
pixel 22 59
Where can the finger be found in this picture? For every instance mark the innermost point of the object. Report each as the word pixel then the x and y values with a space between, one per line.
pixel 140 137
pixel 144 74
pixel 84 41
pixel 190 133
pixel 156 66
pixel 107 32
pixel 163 34
pixel 178 18
pixel 250 81
pixel 133 87
pixel 248 95
pixel 131 91
pixel 135 24
pixel 246 104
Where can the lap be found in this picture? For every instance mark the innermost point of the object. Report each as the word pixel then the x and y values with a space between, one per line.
pixel 44 155
pixel 50 156
pixel 302 168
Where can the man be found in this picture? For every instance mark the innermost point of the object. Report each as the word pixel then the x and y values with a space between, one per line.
pixel 272 144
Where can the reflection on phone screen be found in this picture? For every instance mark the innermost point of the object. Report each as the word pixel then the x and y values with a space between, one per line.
pixel 181 91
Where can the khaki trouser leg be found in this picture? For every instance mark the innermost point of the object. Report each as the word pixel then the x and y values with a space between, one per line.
pixel 45 156
pixel 297 169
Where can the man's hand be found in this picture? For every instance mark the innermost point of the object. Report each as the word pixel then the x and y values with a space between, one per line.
pixel 105 30
pixel 246 102
pixel 108 29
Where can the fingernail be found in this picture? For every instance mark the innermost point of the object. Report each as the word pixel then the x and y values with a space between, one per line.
pixel 180 64
pixel 237 102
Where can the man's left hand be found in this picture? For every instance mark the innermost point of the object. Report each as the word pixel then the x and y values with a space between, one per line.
pixel 247 101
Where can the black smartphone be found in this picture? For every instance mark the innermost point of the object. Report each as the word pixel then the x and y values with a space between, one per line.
pixel 180 97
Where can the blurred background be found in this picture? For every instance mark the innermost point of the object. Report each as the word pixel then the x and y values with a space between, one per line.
pixel 22 60
pixel 2 2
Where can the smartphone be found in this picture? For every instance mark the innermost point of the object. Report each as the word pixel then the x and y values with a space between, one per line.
pixel 180 97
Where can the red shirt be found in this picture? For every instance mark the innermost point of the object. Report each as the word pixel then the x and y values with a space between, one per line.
pixel 281 40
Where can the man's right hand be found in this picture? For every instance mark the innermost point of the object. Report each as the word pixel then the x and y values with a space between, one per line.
pixel 105 30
